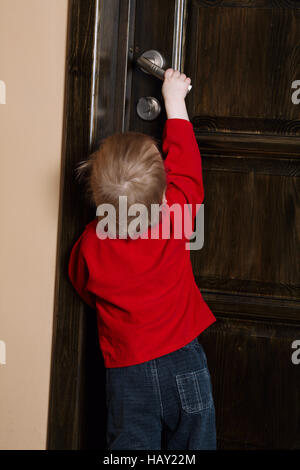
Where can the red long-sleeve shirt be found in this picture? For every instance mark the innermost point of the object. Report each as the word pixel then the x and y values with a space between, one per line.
pixel 144 291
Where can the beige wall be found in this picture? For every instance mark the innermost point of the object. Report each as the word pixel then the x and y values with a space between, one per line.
pixel 32 62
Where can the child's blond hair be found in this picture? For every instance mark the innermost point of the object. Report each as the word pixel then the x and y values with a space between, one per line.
pixel 126 164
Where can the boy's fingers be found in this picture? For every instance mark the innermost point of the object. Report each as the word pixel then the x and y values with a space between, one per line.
pixel 168 73
pixel 176 74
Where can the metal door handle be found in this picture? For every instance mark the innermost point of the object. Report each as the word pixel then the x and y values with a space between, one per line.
pixel 150 67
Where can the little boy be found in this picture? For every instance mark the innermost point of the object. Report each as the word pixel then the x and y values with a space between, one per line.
pixel 149 308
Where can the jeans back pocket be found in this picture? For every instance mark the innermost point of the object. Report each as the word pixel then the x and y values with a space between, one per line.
pixel 195 390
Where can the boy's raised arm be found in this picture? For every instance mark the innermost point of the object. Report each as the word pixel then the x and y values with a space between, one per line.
pixel 183 162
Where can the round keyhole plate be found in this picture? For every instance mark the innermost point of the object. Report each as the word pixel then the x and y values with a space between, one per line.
pixel 148 108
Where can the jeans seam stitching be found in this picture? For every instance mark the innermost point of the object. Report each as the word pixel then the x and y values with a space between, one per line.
pixel 199 393
pixel 155 374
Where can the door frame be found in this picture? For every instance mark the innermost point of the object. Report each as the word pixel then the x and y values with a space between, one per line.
pixel 99 48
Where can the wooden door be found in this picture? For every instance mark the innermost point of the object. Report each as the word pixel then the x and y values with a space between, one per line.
pixel 243 57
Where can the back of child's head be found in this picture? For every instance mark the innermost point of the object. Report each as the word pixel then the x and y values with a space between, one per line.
pixel 126 164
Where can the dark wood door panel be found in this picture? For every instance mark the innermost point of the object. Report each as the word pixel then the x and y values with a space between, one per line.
pixel 243 60
pixel 251 233
pixel 255 383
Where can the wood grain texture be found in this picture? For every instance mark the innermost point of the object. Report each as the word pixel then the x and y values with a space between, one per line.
pixel 294 4
pixel 112 73
pixel 245 144
pixel 251 233
pixel 66 413
pixel 255 384
pixel 244 67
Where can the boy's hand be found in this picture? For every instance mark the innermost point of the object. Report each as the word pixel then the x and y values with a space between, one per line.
pixel 174 91
pixel 175 85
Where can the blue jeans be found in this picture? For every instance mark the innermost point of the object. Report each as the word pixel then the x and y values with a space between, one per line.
pixel 165 403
